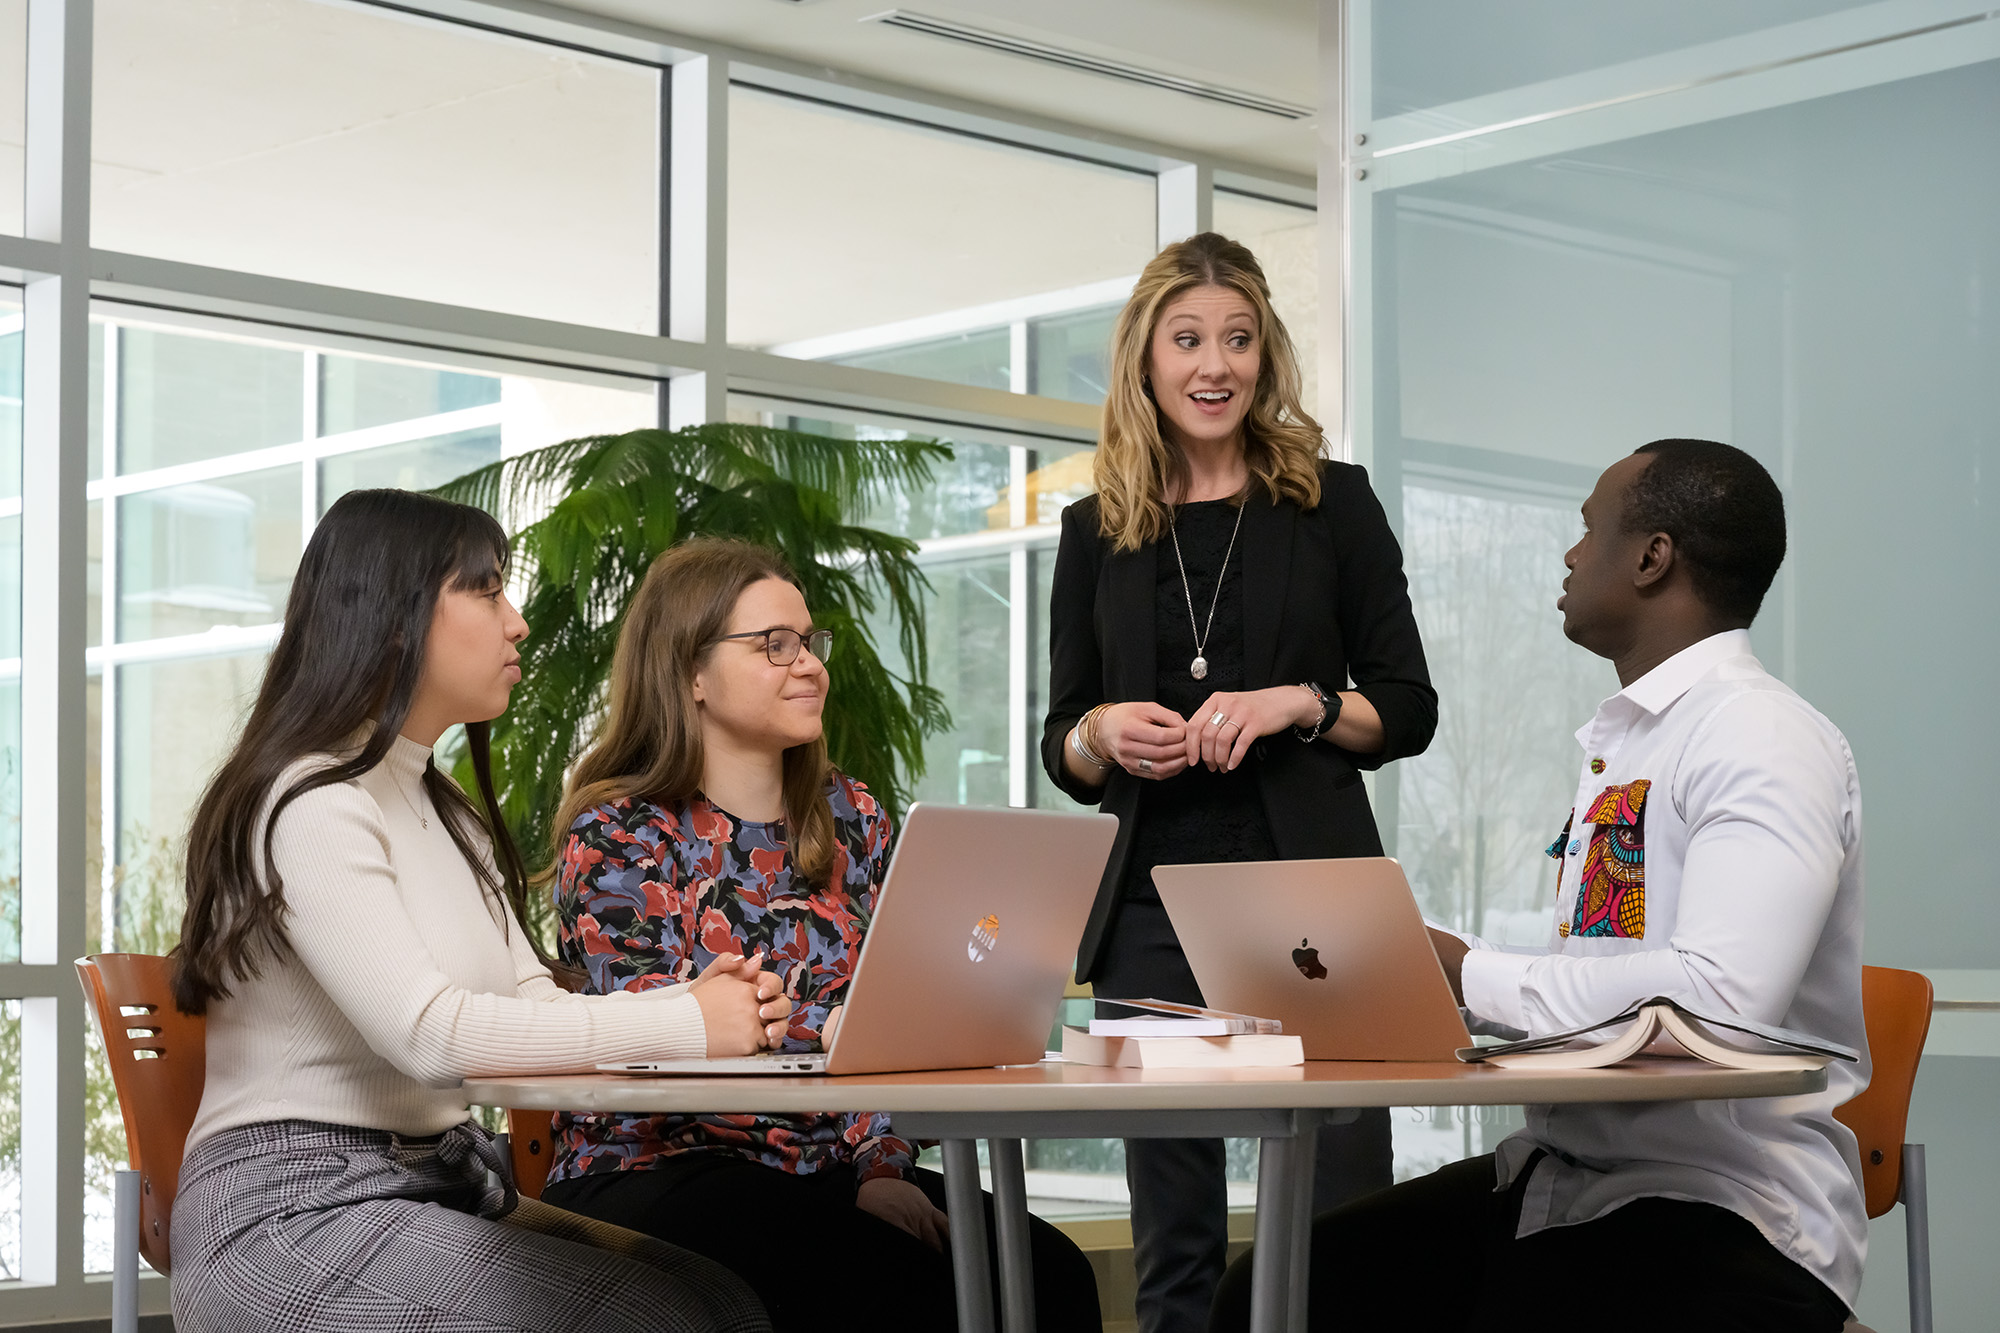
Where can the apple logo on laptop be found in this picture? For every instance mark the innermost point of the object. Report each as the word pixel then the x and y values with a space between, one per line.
pixel 985 938
pixel 1307 962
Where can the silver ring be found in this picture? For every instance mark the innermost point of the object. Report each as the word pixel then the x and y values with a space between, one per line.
pixel 1145 765
pixel 1219 718
pixel 1230 722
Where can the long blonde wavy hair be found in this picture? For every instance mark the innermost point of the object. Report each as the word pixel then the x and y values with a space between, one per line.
pixel 1137 467
pixel 650 745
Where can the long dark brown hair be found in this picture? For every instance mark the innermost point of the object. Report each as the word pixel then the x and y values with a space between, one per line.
pixel 650 746
pixel 351 653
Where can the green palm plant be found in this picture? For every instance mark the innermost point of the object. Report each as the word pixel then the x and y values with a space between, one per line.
pixel 590 515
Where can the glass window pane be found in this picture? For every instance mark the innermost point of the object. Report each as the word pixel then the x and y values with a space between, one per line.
pixel 10 398
pixel 1069 355
pixel 1285 239
pixel 416 465
pixel 209 553
pixel 966 629
pixel 184 398
pixel 973 492
pixel 10 700
pixel 1430 52
pixel 982 358
pixel 176 721
pixel 10 1146
pixel 13 112
pixel 850 232
pixel 347 145
pixel 358 392
pixel 1568 310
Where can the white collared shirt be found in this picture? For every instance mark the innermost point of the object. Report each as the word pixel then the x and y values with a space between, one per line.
pixel 1713 856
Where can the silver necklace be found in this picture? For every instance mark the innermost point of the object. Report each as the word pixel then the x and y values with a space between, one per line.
pixel 1199 667
pixel 422 818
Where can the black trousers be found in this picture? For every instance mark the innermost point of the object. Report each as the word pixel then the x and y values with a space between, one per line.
pixel 1180 1204
pixel 816 1260
pixel 1439 1254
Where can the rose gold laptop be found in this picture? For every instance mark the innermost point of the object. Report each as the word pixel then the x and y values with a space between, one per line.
pixel 973 938
pixel 1335 950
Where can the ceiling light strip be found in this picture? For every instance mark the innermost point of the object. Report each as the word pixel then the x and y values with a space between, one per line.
pixel 1088 64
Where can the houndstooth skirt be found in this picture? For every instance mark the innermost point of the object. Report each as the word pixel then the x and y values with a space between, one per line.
pixel 295 1226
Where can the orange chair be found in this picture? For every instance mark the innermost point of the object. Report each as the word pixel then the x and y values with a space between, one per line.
pixel 1896 1006
pixel 528 1142
pixel 158 1058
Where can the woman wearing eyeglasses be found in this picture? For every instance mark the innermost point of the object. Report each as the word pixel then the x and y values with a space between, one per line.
pixel 705 821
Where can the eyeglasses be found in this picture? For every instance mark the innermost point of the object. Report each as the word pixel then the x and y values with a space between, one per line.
pixel 782 645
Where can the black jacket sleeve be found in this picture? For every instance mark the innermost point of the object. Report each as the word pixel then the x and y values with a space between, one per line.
pixel 1076 663
pixel 1385 655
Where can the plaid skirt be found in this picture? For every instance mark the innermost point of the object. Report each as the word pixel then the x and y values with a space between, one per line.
pixel 300 1226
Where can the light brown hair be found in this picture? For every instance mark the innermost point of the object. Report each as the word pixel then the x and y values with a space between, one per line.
pixel 649 747
pixel 1137 467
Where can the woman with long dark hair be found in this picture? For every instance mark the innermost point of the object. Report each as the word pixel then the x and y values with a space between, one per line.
pixel 707 821
pixel 349 938
pixel 1210 604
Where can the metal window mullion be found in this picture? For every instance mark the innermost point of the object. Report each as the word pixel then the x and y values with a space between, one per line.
pixel 1336 158
pixel 1185 196
pixel 1018 721
pixel 697 223
pixel 54 522
pixel 309 461
pixel 111 416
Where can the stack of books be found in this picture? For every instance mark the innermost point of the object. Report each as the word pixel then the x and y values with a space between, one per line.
pixel 1181 1036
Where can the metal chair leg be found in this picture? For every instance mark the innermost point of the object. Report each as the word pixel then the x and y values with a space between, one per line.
pixel 125 1253
pixel 1916 1200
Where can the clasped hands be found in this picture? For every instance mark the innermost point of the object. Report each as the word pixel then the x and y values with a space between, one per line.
pixel 743 1008
pixel 1150 740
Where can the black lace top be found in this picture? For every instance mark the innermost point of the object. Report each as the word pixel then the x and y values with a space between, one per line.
pixel 1198 816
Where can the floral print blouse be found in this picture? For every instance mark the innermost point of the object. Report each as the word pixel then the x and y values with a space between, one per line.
pixel 647 896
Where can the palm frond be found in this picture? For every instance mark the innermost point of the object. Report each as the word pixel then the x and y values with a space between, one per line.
pixel 590 515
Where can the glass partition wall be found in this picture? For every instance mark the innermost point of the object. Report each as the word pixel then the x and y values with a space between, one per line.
pixel 1770 224
pixel 347 245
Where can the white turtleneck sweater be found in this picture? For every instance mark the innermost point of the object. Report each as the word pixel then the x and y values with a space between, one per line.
pixel 404 977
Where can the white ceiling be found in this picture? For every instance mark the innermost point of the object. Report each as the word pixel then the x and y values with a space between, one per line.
pixel 1269 47
pixel 345 144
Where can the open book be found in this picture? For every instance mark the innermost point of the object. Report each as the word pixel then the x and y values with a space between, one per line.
pixel 1661 1026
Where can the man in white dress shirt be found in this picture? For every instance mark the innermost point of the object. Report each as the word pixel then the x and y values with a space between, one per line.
pixel 1713 855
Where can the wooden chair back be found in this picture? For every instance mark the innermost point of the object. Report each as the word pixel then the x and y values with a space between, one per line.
pixel 532 1146
pixel 158 1058
pixel 1896 1006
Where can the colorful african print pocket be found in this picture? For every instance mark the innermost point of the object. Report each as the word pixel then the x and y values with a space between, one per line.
pixel 1611 900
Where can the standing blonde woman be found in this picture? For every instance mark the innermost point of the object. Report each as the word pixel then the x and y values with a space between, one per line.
pixel 1210 603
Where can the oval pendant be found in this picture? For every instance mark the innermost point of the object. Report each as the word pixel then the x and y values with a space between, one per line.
pixel 1199 668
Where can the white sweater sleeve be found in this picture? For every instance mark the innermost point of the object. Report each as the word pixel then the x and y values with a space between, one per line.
pixel 347 925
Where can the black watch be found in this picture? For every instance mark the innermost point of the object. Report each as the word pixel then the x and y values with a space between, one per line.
pixel 1329 710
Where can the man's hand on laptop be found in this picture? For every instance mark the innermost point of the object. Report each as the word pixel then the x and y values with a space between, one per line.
pixel 743 1008
pixel 1451 951
pixel 903 1204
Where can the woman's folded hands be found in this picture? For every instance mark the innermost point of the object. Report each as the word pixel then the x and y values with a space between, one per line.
pixel 743 1008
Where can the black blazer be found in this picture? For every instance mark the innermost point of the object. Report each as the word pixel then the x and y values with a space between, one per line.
pixel 1324 599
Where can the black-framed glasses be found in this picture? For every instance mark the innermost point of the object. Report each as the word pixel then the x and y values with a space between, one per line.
pixel 782 645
